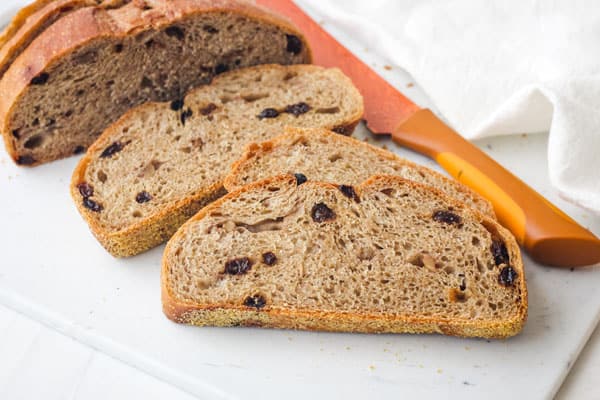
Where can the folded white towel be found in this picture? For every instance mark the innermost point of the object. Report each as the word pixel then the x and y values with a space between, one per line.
pixel 498 67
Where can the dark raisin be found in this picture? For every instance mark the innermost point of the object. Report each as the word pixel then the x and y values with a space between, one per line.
pixel 269 258
pixel 16 134
pixel 85 189
pixel 297 109
pixel 51 122
pixel 40 79
pixel 238 266
pixel 256 301
pixel 146 83
pixel 500 252
pixel 25 160
pixel 143 197
pixel 185 115
pixel 78 150
pixel 92 205
pixel 175 31
pixel 300 179
pixel 220 68
pixel 208 109
pixel 210 29
pixel 507 276
pixel 177 105
pixel 446 217
pixel 294 44
pixel 268 113
pixel 112 150
pixel 349 192
pixel 321 213
pixel 118 48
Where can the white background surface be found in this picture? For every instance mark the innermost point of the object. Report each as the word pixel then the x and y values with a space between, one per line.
pixel 54 272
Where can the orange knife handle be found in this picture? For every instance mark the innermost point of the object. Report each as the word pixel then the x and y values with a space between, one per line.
pixel 549 235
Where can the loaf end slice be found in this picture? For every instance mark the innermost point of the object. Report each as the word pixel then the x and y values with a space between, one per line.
pixel 324 156
pixel 162 162
pixel 386 256
pixel 91 65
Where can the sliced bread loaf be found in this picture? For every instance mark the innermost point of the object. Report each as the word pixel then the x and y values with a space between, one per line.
pixel 162 162
pixel 85 69
pixel 389 255
pixel 322 155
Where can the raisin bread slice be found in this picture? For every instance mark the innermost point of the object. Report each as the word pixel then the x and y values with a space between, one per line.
pixel 92 64
pixel 321 155
pixel 389 255
pixel 162 162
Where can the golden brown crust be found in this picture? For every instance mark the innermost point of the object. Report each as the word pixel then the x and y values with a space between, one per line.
pixel 277 317
pixel 158 228
pixel 232 181
pixel 87 24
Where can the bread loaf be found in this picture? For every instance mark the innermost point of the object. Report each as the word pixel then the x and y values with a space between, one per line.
pixel 76 71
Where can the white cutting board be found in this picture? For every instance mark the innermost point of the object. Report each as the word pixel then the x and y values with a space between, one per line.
pixel 54 271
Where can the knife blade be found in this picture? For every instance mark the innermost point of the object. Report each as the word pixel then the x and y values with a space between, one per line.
pixel 547 234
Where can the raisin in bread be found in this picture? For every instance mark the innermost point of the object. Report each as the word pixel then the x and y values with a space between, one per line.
pixel 388 255
pixel 321 155
pixel 92 64
pixel 162 162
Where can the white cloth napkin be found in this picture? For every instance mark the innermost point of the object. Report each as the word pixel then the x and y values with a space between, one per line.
pixel 498 67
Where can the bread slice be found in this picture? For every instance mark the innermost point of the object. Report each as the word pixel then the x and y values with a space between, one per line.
pixel 85 69
pixel 162 162
pixel 388 255
pixel 322 155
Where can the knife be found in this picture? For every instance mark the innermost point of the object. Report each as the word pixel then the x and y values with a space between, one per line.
pixel 549 235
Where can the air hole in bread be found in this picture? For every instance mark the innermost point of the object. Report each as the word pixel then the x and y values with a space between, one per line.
pixel 457 296
pixel 176 32
pixel 102 177
pixel 250 98
pixel 87 57
pixel 146 83
pixel 210 29
pixel 335 157
pixel 290 75
pixel 34 142
pixel 328 110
